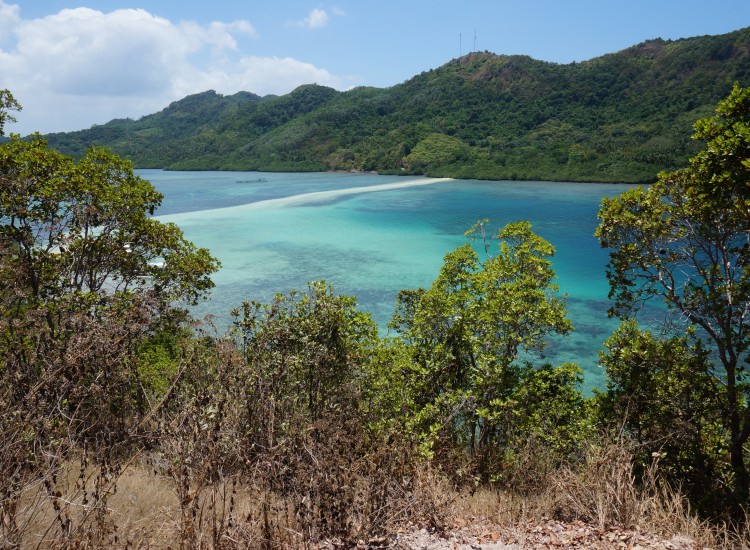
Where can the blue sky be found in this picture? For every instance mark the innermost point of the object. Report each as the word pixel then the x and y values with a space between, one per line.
pixel 72 64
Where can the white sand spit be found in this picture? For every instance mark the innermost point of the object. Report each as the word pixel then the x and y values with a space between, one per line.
pixel 305 198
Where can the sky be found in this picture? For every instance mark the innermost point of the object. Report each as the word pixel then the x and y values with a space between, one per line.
pixel 75 63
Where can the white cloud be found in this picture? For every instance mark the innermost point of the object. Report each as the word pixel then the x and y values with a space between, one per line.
pixel 81 66
pixel 10 15
pixel 269 75
pixel 316 19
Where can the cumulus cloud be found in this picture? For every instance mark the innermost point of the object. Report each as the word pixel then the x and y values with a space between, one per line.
pixel 262 75
pixel 316 19
pixel 82 66
pixel 10 16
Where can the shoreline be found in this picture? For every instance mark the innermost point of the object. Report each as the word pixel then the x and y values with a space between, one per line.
pixel 376 173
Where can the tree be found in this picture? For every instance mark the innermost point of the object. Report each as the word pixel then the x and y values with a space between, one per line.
pixel 456 359
pixel 662 392
pixel 84 228
pixel 686 241
pixel 86 275
pixel 77 246
pixel 305 351
pixel 7 103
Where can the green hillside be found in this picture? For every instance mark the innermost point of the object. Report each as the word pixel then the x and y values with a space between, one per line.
pixel 620 117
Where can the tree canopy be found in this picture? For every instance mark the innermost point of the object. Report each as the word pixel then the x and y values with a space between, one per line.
pixel 456 369
pixel 686 241
pixel 7 103
pixel 84 228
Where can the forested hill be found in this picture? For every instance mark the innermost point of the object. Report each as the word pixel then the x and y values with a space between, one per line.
pixel 620 117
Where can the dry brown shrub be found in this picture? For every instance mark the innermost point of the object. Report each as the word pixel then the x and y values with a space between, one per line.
pixel 67 391
pixel 602 489
pixel 389 492
pixel 333 482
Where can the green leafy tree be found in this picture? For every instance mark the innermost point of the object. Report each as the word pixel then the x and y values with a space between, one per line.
pixel 86 275
pixel 78 246
pixel 461 339
pixel 662 392
pixel 306 352
pixel 543 421
pixel 686 240
pixel 83 228
pixel 7 103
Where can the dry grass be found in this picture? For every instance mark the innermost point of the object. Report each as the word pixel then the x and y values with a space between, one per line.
pixel 143 510
pixel 602 492
pixel 136 511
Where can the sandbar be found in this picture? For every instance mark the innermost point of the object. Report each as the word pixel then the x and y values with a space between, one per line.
pixel 305 198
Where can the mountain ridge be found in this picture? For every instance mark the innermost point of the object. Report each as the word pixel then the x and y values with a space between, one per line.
pixel 623 116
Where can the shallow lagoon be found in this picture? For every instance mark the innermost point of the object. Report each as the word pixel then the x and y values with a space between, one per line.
pixel 371 236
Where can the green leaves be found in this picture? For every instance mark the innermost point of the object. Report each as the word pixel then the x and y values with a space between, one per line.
pixel 85 227
pixel 722 165
pixel 306 352
pixel 7 103
pixel 455 363
pixel 662 394
pixel 685 241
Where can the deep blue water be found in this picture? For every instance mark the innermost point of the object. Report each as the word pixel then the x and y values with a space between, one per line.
pixel 272 236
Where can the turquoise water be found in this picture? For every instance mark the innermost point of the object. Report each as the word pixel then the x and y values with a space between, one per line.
pixel 371 236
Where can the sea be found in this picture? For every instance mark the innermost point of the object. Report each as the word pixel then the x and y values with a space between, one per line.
pixel 371 235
